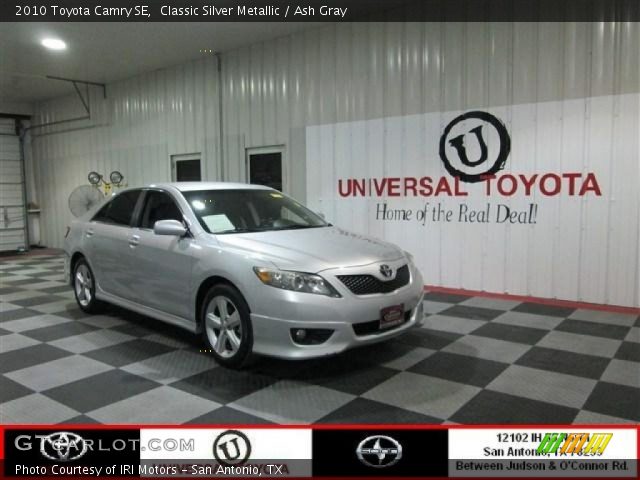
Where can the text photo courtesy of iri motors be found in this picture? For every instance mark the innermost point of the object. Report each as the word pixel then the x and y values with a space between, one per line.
pixel 319 239
pixel 325 452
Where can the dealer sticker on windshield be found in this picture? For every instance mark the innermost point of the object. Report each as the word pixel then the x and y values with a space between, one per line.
pixel 391 316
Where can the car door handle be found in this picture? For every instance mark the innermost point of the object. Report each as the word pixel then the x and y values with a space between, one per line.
pixel 89 232
pixel 134 240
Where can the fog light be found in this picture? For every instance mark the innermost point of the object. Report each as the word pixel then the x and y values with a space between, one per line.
pixel 310 336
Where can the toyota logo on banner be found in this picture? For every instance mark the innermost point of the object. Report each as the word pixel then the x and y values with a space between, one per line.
pixel 474 145
pixel 63 446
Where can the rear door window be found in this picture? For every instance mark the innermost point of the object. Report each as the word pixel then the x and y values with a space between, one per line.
pixel 119 211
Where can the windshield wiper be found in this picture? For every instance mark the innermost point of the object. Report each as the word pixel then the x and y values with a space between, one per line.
pixel 298 226
pixel 240 230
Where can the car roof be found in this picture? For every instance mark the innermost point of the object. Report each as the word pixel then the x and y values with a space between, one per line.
pixel 193 186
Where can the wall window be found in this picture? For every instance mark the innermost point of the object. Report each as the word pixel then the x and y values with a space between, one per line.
pixel 186 168
pixel 264 166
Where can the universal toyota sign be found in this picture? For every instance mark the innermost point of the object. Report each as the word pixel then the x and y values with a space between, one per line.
pixel 492 199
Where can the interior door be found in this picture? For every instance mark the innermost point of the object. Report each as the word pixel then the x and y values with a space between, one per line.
pixel 163 263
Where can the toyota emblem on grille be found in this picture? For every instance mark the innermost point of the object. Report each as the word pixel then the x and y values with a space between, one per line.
pixel 386 271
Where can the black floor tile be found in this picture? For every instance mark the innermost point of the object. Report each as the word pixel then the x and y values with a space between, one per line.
pixel 588 366
pixel 495 407
pixel 34 301
pixel 582 327
pixel 361 410
pixel 445 297
pixel 30 356
pixel 80 420
pixel 73 313
pixel 460 368
pixel 17 314
pixel 275 367
pixel 541 309
pixel 19 283
pixel 378 353
pixel 4 332
pixel 615 400
pixel 100 390
pixel 58 289
pixel 55 332
pixel 223 385
pixel 11 270
pixel 427 338
pixel 8 290
pixel 473 313
pixel 511 333
pixel 135 330
pixel 629 351
pixel 10 390
pixel 128 352
pixel 349 377
pixel 228 416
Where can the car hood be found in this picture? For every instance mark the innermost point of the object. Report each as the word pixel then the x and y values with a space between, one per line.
pixel 313 249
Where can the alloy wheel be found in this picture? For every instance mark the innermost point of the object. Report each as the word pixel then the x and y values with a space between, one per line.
pixel 223 326
pixel 83 285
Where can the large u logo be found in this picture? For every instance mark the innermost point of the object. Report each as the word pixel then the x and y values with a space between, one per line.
pixel 225 449
pixel 474 170
pixel 458 144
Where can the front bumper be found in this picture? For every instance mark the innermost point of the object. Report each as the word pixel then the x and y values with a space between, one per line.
pixel 287 310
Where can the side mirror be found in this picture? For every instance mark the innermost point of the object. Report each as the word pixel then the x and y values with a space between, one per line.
pixel 169 227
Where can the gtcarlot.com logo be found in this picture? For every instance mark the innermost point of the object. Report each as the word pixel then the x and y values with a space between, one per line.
pixel 67 446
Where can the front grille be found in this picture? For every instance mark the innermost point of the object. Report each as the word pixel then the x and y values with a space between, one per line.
pixel 368 284
pixel 373 327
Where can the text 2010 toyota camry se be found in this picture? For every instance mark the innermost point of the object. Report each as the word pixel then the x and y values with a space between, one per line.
pixel 249 267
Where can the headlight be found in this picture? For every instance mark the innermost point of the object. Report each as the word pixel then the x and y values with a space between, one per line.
pixel 296 281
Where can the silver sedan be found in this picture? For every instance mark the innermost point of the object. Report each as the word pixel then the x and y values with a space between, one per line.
pixel 248 267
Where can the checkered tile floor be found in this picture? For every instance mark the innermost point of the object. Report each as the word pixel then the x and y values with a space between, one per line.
pixel 475 360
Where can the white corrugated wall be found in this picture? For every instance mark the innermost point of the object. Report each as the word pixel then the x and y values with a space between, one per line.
pixel 340 73
pixel 143 121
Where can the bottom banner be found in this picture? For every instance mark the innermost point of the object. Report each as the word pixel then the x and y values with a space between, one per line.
pixel 320 451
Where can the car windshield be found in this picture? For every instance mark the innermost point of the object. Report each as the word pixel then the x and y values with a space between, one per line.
pixel 242 211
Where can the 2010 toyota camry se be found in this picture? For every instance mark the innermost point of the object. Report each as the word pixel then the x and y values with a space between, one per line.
pixel 249 267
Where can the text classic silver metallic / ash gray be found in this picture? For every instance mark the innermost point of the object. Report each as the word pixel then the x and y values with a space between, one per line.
pixel 249 267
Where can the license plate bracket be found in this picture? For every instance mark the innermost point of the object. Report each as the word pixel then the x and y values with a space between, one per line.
pixel 391 316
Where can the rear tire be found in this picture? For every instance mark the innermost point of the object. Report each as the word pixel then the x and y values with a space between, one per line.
pixel 84 287
pixel 226 322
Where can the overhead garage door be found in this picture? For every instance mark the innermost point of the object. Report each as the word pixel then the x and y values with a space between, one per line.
pixel 12 208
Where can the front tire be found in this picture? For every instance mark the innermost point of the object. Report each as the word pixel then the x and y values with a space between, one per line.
pixel 84 287
pixel 227 325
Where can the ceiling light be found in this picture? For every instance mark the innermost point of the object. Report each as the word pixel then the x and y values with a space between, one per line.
pixel 54 44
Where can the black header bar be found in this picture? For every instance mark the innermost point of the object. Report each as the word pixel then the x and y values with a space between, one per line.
pixel 317 10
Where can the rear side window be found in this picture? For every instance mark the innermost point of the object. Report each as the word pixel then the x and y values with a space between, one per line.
pixel 119 210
